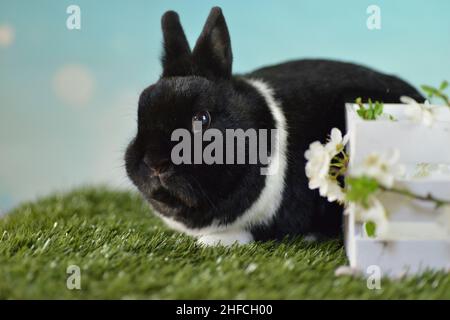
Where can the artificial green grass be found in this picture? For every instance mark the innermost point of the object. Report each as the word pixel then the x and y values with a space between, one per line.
pixel 126 253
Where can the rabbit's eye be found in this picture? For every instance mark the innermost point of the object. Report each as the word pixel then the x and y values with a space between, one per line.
pixel 204 117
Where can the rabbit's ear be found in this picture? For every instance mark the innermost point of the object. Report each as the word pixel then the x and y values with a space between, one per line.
pixel 176 59
pixel 212 53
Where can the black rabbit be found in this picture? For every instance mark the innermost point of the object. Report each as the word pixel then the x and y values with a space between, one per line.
pixel 227 203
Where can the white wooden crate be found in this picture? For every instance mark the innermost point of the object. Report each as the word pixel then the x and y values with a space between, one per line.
pixel 418 236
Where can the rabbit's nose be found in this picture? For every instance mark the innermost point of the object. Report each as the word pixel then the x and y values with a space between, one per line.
pixel 158 167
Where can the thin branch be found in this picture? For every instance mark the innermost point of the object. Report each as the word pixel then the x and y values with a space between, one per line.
pixel 439 202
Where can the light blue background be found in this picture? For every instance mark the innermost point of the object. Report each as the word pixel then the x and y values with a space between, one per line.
pixel 48 145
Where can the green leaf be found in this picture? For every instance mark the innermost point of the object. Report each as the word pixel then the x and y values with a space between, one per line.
pixel 359 189
pixel 437 93
pixel 370 228
pixel 373 111
pixel 378 109
pixel 430 91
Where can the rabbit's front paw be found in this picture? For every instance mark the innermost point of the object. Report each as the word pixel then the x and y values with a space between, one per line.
pixel 226 238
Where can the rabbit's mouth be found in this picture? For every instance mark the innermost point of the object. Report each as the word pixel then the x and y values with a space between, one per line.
pixel 170 193
pixel 173 198
pixel 165 201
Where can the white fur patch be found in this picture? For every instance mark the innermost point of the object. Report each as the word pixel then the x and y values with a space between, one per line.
pixel 264 208
pixel 346 271
pixel 225 238
pixel 310 238
pixel 268 202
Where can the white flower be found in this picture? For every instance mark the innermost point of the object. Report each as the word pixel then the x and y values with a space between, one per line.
pixel 375 213
pixel 382 167
pixel 336 143
pixel 335 192
pixel 420 113
pixel 317 168
pixel 318 163
pixel 331 190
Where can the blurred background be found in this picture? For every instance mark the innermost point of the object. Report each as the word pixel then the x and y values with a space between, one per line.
pixel 68 97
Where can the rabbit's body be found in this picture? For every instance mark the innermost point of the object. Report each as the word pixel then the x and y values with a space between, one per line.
pixel 224 203
pixel 312 96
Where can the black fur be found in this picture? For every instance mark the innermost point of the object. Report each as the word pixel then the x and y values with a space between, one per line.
pixel 176 60
pixel 312 94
